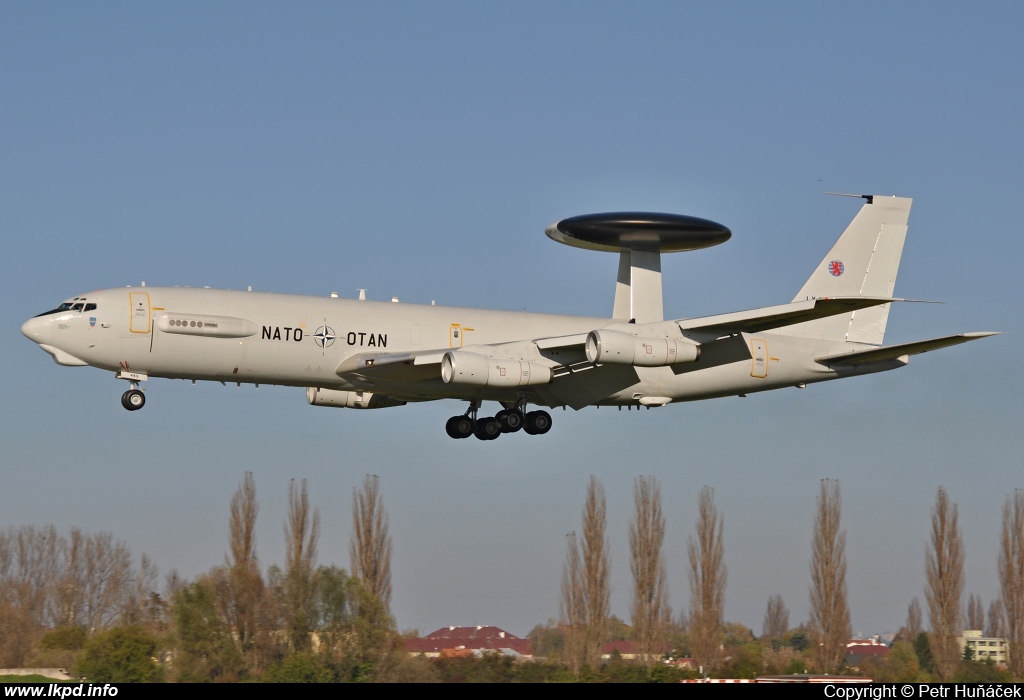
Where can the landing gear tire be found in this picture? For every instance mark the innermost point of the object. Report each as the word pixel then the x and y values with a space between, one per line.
pixel 133 399
pixel 459 427
pixel 511 421
pixel 537 422
pixel 487 429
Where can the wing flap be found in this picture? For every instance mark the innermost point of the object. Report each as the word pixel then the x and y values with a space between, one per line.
pixel 892 352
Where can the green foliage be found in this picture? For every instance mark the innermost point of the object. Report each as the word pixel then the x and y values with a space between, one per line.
pixel 981 672
pixel 548 640
pixel 923 649
pixel 34 678
pixel 900 667
pixel 300 667
pixel 489 668
pixel 618 630
pixel 120 655
pixel 206 650
pixel 797 639
pixel 747 662
pixel 70 638
pixel 737 635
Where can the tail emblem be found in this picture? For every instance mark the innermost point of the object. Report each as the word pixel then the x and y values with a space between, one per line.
pixel 835 268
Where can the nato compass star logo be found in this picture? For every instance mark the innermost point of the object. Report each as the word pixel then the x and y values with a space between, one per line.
pixel 324 336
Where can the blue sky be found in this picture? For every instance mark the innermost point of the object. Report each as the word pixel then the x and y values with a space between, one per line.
pixel 419 150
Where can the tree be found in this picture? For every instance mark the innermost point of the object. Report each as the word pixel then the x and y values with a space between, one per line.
pixel 996 619
pixel 914 625
pixel 571 608
pixel 975 613
pixel 650 610
pixel 370 545
pixel 944 569
pixel 245 584
pixel 595 572
pixel 120 655
pixel 1011 579
pixel 205 649
pixel 776 620
pixel 830 614
pixel 301 533
pixel 707 581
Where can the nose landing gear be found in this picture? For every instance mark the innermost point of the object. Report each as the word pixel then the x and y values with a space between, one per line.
pixel 133 399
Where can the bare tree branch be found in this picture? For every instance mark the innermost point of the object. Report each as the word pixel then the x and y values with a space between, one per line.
pixel 830 613
pixel 944 569
pixel 914 624
pixel 370 545
pixel 572 605
pixel 975 613
pixel 707 582
pixel 996 626
pixel 650 611
pixel 776 620
pixel 244 582
pixel 1011 579
pixel 596 572
pixel 301 533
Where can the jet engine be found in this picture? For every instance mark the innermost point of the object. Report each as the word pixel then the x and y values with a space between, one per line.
pixel 618 348
pixel 459 367
pixel 349 399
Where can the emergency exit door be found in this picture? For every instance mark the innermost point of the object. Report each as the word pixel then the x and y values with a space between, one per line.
pixel 759 353
pixel 140 312
pixel 455 336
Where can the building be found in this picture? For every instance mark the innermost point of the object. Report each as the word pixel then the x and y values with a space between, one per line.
pixel 469 641
pixel 985 648
pixel 862 651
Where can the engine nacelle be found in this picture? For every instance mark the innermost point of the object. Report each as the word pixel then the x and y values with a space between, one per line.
pixel 618 348
pixel 349 399
pixel 459 367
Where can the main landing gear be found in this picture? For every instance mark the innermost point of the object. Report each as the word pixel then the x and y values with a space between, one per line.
pixel 509 420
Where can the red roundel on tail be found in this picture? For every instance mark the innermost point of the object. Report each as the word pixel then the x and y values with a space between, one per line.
pixel 835 268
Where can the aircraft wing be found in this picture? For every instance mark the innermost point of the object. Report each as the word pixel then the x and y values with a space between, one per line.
pixel 392 366
pixel 769 317
pixel 892 352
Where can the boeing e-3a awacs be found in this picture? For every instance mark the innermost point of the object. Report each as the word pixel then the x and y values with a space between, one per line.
pixel 352 353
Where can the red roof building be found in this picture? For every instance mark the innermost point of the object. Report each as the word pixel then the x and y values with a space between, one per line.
pixel 459 641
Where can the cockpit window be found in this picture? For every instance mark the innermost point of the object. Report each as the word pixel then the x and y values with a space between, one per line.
pixel 77 307
pixel 90 307
pixel 66 306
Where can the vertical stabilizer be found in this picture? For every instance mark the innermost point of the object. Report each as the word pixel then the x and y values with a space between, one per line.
pixel 638 294
pixel 863 262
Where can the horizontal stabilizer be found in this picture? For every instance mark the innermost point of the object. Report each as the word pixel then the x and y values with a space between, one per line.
pixel 767 318
pixel 861 357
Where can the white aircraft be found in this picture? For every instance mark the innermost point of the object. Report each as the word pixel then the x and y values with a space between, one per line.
pixel 352 353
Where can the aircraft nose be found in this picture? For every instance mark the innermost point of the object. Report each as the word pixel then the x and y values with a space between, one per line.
pixel 36 329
